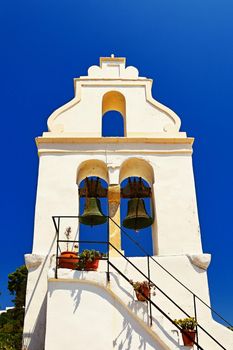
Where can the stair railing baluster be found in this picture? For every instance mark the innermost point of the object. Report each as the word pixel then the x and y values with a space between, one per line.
pixel 148 271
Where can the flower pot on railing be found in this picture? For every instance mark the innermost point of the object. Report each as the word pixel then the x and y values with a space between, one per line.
pixel 188 331
pixel 188 337
pixel 88 265
pixel 88 260
pixel 68 260
pixel 142 290
pixel 143 294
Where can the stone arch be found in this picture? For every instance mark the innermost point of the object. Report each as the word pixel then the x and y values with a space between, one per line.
pixel 114 101
pixel 136 167
pixel 92 167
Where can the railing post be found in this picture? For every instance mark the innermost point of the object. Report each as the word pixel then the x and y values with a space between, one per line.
pixel 195 315
pixel 148 272
pixel 108 274
pixel 57 233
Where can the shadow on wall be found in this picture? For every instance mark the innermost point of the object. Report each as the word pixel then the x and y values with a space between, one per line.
pixel 36 338
pixel 125 335
pixel 37 333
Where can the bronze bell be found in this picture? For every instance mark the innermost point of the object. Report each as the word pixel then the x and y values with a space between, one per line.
pixel 137 217
pixel 92 214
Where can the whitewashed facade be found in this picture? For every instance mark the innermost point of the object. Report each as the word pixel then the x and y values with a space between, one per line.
pixel 82 310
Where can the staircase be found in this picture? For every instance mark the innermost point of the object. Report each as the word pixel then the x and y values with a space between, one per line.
pixel 159 311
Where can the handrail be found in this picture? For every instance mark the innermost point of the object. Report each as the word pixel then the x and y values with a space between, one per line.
pixel 156 306
pixel 149 280
pixel 57 227
pixel 151 257
pixel 128 280
pixel 169 273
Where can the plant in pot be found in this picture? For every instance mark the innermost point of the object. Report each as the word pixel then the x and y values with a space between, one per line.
pixel 143 289
pixel 188 330
pixel 68 259
pixel 88 260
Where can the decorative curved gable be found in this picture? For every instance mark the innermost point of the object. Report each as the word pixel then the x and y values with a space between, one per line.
pixel 144 116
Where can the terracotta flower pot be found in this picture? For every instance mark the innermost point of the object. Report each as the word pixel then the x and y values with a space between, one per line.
pixel 89 266
pixel 92 266
pixel 68 260
pixel 186 335
pixel 145 290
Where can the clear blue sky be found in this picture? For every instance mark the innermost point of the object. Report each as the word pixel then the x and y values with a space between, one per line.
pixel 185 46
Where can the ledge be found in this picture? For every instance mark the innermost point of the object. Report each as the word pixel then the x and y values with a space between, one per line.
pixel 107 140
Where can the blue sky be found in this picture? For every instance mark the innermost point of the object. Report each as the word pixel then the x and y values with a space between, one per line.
pixel 185 46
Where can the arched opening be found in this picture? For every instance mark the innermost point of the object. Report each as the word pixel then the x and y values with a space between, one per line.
pixel 92 181
pixel 136 167
pixel 136 172
pixel 92 167
pixel 113 114
pixel 112 124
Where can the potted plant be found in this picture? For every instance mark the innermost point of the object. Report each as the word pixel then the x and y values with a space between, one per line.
pixel 68 259
pixel 188 330
pixel 88 260
pixel 142 289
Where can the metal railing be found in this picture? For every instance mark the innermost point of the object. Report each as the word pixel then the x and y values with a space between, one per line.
pixel 195 297
pixel 147 277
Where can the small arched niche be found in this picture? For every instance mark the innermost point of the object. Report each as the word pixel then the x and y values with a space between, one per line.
pixel 113 114
pixel 136 169
pixel 93 171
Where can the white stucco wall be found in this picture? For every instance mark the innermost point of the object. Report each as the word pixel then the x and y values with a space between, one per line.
pixel 77 299
pixel 85 119
pixel 144 115
pixel 174 193
pixel 36 305
pixel 91 319
pixel 65 309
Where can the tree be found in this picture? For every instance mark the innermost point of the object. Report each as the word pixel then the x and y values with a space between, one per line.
pixel 17 285
pixel 11 321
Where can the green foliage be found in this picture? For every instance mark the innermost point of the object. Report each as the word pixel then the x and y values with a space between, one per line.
pixel 10 341
pixel 90 255
pixel 87 256
pixel 140 286
pixel 186 323
pixel 17 285
pixel 11 321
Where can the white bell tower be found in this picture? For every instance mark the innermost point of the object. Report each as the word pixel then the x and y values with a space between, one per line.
pixel 80 309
